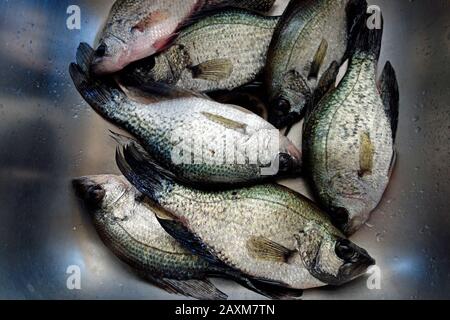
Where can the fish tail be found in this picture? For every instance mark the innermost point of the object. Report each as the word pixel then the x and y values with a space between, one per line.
pixel 99 93
pixel 142 171
pixel 369 36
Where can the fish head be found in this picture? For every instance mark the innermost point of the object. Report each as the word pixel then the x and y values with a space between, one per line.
pixel 103 191
pixel 289 100
pixel 111 55
pixel 330 257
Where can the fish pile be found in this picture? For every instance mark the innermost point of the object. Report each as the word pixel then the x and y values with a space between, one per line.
pixel 203 91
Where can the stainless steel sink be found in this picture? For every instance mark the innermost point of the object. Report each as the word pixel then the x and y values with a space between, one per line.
pixel 48 135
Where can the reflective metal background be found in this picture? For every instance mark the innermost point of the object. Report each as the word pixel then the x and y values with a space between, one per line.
pixel 49 135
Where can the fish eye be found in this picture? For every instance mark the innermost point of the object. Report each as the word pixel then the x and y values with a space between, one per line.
pixel 101 50
pixel 285 162
pixel 345 250
pixel 283 105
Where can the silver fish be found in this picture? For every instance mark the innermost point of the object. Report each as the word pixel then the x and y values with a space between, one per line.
pixel 199 140
pixel 126 222
pixel 137 29
pixel 309 45
pixel 219 52
pixel 267 232
pixel 349 137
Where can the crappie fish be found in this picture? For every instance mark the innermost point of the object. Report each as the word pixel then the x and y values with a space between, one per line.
pixel 308 46
pixel 137 29
pixel 267 232
pixel 222 51
pixel 199 140
pixel 126 222
pixel 349 137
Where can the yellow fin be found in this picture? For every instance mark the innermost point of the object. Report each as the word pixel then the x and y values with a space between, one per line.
pixel 263 248
pixel 213 70
pixel 227 123
pixel 366 152
pixel 318 59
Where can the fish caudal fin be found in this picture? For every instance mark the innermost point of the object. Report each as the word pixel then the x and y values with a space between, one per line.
pixel 84 56
pixel 198 289
pixel 369 36
pixel 98 93
pixel 141 170
pixel 356 12
pixel 389 91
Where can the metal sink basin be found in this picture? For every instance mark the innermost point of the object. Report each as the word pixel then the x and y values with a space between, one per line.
pixel 48 135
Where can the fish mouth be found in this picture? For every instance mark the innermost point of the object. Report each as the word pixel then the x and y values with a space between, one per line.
pixel 356 261
pixel 89 190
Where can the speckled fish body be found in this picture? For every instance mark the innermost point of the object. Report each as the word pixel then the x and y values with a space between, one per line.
pixel 349 137
pixel 267 232
pixel 126 222
pixel 198 139
pixel 222 51
pixel 308 46
pixel 137 29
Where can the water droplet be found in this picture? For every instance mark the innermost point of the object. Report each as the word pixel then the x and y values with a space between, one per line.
pixel 418 129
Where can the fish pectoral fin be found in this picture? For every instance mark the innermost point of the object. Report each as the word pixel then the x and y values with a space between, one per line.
pixel 388 87
pixel 318 60
pixel 223 121
pixel 213 70
pixel 263 248
pixel 195 288
pixel 366 153
pixel 152 19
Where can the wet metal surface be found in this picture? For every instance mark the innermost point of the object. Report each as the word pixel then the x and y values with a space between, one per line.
pixel 48 135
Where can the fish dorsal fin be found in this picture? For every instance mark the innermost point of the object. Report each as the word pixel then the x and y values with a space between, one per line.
pixel 366 153
pixel 388 87
pixel 318 60
pixel 226 122
pixel 265 249
pixel 198 289
pixel 150 20
pixel 213 70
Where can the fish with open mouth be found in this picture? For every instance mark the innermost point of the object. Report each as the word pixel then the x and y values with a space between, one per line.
pixel 309 44
pixel 198 139
pixel 220 52
pixel 266 232
pixel 348 139
pixel 126 222
pixel 137 29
